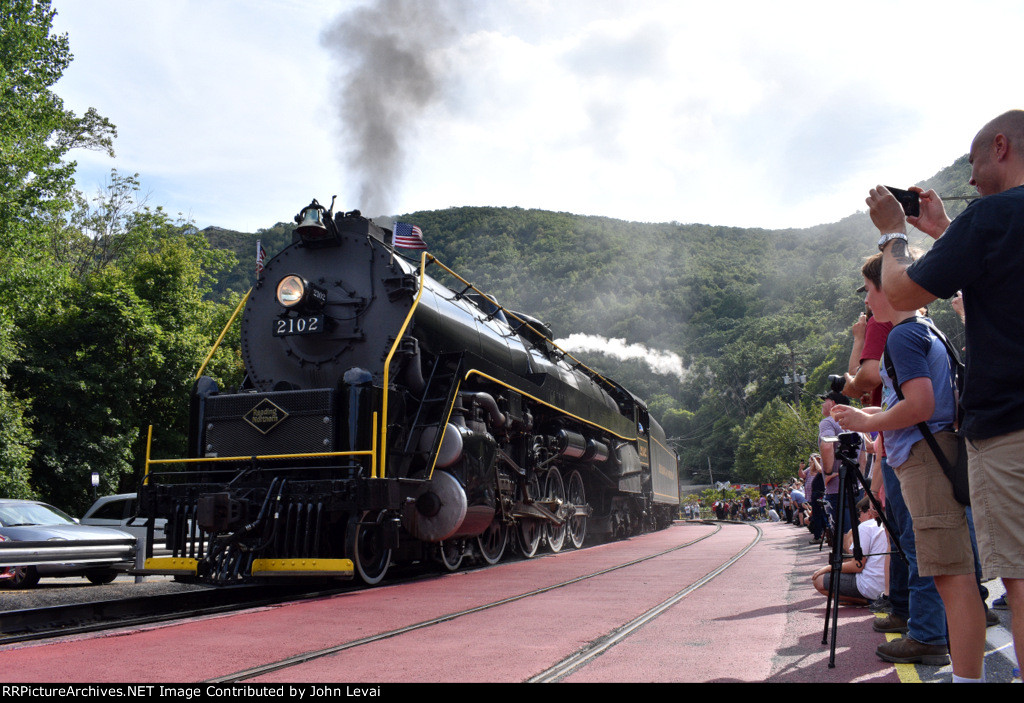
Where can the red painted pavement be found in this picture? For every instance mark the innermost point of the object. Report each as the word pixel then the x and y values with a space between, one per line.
pixel 759 621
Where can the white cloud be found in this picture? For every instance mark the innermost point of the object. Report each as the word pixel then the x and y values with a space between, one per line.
pixel 734 113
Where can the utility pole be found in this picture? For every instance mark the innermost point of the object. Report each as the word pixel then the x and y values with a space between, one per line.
pixel 797 378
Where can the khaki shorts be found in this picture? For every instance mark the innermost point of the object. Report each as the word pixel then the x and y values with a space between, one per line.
pixel 997 501
pixel 940 523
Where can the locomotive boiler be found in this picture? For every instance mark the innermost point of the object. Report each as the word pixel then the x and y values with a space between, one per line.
pixel 386 418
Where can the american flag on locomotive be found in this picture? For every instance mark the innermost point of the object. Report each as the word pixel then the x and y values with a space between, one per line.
pixel 408 236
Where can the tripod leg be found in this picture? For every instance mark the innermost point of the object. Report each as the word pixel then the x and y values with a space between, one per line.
pixel 837 561
pixel 850 476
pixel 850 513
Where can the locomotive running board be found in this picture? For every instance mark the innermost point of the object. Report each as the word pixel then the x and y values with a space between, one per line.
pixel 338 568
pixel 169 566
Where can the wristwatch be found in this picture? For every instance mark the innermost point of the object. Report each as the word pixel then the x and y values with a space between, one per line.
pixel 886 238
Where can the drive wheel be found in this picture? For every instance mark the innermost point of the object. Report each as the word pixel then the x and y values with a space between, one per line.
pixel 491 544
pixel 450 553
pixel 554 492
pixel 365 546
pixel 530 530
pixel 577 497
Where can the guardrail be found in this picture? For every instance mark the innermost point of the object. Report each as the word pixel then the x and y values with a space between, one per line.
pixel 61 552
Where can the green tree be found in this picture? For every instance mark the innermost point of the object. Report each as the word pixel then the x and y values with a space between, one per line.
pixel 35 130
pixel 90 352
pixel 772 442
pixel 36 183
pixel 16 441
pixel 116 351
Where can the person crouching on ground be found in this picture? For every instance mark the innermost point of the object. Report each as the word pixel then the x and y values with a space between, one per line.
pixel 860 582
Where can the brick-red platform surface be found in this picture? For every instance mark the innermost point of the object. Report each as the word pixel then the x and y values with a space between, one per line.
pixel 759 621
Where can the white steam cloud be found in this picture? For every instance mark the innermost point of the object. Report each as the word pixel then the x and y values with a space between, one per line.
pixel 661 362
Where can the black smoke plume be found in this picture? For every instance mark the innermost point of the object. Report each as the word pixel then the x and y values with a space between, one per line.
pixel 391 56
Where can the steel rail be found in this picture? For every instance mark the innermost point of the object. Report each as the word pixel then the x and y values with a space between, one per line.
pixel 328 651
pixel 599 647
pixel 78 618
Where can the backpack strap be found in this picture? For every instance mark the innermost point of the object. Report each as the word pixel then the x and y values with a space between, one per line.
pixel 954 355
pixel 958 367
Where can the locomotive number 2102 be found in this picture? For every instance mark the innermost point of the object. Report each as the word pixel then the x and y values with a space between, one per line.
pixel 307 324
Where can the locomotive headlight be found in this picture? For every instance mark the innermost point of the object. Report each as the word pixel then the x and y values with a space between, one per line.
pixel 290 291
pixel 296 293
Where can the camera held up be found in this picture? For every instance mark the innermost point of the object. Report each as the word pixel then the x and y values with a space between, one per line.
pixel 847 445
pixel 836 382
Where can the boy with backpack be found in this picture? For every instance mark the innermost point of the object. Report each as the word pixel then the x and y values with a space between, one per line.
pixel 925 392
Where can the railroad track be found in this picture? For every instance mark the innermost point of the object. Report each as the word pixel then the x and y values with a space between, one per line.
pixel 46 622
pixel 49 621
pixel 554 673
pixel 595 649
pixel 33 624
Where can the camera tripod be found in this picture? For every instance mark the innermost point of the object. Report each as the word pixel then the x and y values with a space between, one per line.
pixel 849 478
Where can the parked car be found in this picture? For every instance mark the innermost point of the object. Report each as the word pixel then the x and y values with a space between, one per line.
pixel 119 511
pixel 97 553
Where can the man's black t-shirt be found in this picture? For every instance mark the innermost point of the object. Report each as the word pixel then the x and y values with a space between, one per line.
pixel 982 254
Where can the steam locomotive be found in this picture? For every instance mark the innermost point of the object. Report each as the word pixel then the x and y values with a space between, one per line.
pixel 388 418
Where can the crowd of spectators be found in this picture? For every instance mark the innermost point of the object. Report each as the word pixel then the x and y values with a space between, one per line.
pixel 900 393
pixel 782 503
pixel 774 504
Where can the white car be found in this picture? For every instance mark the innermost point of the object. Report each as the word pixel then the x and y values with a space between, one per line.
pixel 119 511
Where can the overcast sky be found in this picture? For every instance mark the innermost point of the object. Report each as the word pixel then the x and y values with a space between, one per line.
pixel 762 114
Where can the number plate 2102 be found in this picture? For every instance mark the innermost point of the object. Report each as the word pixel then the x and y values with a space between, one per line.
pixel 307 324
